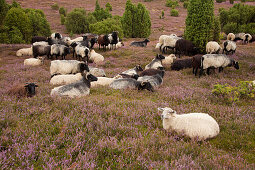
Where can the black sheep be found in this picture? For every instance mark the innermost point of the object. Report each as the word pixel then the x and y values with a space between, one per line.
pixel 186 47
pixel 196 63
pixel 181 64
pixel 140 43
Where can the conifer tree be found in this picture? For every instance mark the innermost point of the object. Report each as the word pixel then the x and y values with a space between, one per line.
pixel 3 10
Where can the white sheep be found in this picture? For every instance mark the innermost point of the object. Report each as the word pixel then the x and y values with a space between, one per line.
pixel 199 126
pixel 156 62
pixel 158 45
pixel 34 61
pixel 168 60
pixel 56 35
pixel 102 81
pixel 231 36
pixel 119 44
pixel 82 52
pixel 98 72
pixel 43 43
pixel 65 79
pixel 133 71
pixel 169 42
pixel 130 83
pixel 95 57
pixel 248 38
pixel 24 52
pixel 229 46
pixel 212 47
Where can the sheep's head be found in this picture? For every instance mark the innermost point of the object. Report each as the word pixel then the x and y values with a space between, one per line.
pixel 160 57
pixel 91 77
pixel 138 68
pixel 135 76
pixel 42 59
pixel 30 88
pixel 167 112
pixel 236 65
pixel 146 40
pixel 146 85
pixel 67 50
pixel 84 67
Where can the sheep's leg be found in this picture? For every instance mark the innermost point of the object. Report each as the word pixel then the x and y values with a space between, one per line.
pixel 208 71
pixel 193 70
pixel 196 71
pixel 201 72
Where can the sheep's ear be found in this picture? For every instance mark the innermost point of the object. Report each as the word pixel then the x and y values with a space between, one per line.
pixel 161 109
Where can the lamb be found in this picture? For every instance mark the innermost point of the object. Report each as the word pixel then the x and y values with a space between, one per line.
pixel 151 72
pixel 181 64
pixel 43 43
pixel 129 83
pixel 231 36
pixel 24 52
pixel 140 43
pixel 96 57
pixel 133 71
pixel 154 80
pixel 156 62
pixel 39 50
pixel 102 81
pixel 196 63
pixel 186 47
pixel 216 61
pixel 77 89
pixel 98 72
pixel 23 91
pixel 200 126
pixel 229 46
pixel 212 47
pixel 56 35
pixel 168 60
pixel 37 39
pixel 34 61
pixel 67 67
pixel 59 50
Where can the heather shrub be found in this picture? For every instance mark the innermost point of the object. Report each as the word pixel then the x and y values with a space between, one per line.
pixel 55 6
pixel 62 11
pixel 185 4
pixel 108 6
pixel 3 10
pixel 171 3
pixel 174 12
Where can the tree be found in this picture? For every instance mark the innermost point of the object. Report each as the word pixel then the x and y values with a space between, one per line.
pixel 100 13
pixel 199 22
pixel 3 10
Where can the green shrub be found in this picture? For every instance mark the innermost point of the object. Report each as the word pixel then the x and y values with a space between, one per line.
pixel 108 6
pixel 100 13
pixel 223 16
pixel 3 10
pixel 136 21
pixel 249 28
pixel 162 14
pixel 219 1
pixel 185 4
pixel 62 11
pixel 231 27
pixel 199 22
pixel 4 36
pixel 14 5
pixel 216 29
pixel 183 0
pixel 231 1
pixel 243 0
pixel 15 36
pixel 174 12
pixel 55 6
pixel 171 3
pixel 107 26
pixel 62 19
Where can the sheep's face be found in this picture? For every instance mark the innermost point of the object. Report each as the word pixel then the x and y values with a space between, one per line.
pixel 91 77
pixel 146 40
pixel 167 112
pixel 139 68
pixel 160 57
pixel 236 65
pixel 146 85
pixel 84 67
pixel 30 88
pixel 67 50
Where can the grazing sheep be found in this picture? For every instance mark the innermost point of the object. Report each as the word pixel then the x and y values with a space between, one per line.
pixel 96 57
pixel 212 47
pixel 129 83
pixel 67 67
pixel 156 62
pixel 169 42
pixel 229 46
pixel 24 52
pixel 103 41
pixel 151 72
pixel 119 45
pixel 168 60
pixel 77 89
pixel 81 52
pixel 59 50
pixel 56 35
pixel 239 36
pixel 43 43
pixel 154 80
pixel 186 47
pixel 140 43
pixel 40 50
pixel 133 71
pixel 181 64
pixel 216 61
pixel 248 38
pixel 199 126
pixel 34 61
pixel 231 36
pixel 196 63
pixel 23 91
pixel 98 72
pixel 102 81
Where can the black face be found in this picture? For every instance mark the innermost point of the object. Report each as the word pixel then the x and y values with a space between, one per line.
pixel 146 40
pixel 73 44
pixel 147 86
pixel 139 68
pixel 67 50
pixel 57 35
pixel 86 52
pixel 236 65
pixel 91 78
pixel 160 57
pixel 84 37
pixel 30 89
pixel 161 68
pixel 84 67
pixel 135 76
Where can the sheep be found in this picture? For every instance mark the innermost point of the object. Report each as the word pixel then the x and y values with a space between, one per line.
pixel 239 36
pixel 102 81
pixel 104 41
pixel 140 43
pixel 186 47
pixel 169 42
pixel 196 63
pixel 39 50
pixel 24 52
pixel 151 72
pixel 212 47
pixel 154 80
pixel 77 89
pixel 59 50
pixel 168 60
pixel 229 46
pixel 253 38
pixel 200 126
pixel 119 44
pixel 96 57
pixel 216 61
pixel 133 71
pixel 34 61
pixel 67 67
pixel 129 83
pixel 248 38
pixel 65 79
pixel 158 45
pixel 43 43
pixel 87 42
pixel 231 36
pixel 56 35
pixel 37 39
pixel 98 72
pixel 27 90
pixel 81 52
pixel 156 62
pixel 181 64
pixel 113 38
pixel 121 76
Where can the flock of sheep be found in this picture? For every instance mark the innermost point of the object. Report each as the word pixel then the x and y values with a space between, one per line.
pixel 76 78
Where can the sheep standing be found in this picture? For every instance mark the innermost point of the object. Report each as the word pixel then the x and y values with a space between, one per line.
pixel 59 50
pixel 239 36
pixel 34 61
pixel 212 47
pixel 181 64
pixel 96 57
pixel 186 47
pixel 169 42
pixel 156 62
pixel 216 61
pixel 23 91
pixel 24 52
pixel 39 50
pixel 81 52
pixel 199 126
pixel 248 38
pixel 229 46
pixel 113 38
pixel 103 41
pixel 231 36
